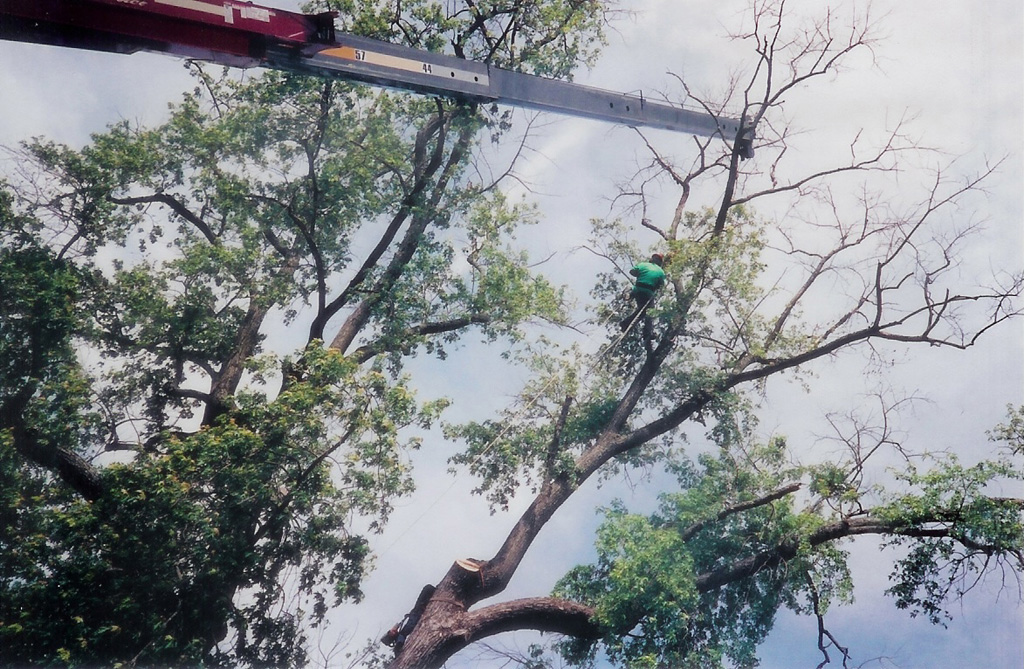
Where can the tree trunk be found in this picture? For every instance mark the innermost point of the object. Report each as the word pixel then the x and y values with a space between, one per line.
pixel 443 628
pixel 446 626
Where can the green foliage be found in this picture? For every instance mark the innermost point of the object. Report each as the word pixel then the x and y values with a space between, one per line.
pixel 648 585
pixel 522 446
pixel 142 275
pixel 44 393
pixel 954 530
pixel 1010 435
pixel 141 573
pixel 644 586
pixel 497 290
pixel 550 38
pixel 502 284
pixel 530 444
pixel 147 275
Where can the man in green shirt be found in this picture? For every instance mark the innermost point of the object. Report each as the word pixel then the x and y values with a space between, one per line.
pixel 649 278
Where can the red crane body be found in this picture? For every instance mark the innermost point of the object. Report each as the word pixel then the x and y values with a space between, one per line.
pixel 231 33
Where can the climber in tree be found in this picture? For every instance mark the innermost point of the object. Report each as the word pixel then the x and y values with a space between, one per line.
pixel 396 636
pixel 649 278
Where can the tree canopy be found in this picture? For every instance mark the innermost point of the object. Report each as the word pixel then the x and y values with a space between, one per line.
pixel 207 409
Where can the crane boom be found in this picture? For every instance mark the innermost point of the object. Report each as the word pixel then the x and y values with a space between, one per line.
pixel 242 34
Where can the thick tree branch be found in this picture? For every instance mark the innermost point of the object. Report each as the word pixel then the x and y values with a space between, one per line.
pixel 410 242
pixel 423 172
pixel 850 527
pixel 72 469
pixel 373 349
pixel 879 312
pixel 542 614
pixel 176 206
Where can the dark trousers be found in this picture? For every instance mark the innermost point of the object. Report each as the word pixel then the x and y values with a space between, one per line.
pixel 643 299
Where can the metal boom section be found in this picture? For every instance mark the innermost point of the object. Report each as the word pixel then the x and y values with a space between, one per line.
pixel 242 34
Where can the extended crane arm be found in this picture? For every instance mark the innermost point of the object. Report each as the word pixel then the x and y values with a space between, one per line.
pixel 242 34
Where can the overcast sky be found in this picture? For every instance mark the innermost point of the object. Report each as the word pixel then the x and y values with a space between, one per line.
pixel 958 70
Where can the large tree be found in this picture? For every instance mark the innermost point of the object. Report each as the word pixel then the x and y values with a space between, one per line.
pixel 186 479
pixel 175 489
pixel 856 264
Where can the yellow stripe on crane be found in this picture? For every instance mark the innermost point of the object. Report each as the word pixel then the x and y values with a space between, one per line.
pixel 404 64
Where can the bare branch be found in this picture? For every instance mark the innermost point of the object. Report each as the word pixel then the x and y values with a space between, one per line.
pixel 690 531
